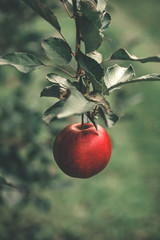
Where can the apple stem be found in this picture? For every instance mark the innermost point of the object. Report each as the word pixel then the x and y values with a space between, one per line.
pixel 82 123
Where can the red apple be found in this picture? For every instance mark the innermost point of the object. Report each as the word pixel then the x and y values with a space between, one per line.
pixel 82 153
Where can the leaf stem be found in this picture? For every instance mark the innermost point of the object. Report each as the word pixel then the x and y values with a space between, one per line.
pixel 65 6
pixel 72 68
pixel 63 70
pixel 106 60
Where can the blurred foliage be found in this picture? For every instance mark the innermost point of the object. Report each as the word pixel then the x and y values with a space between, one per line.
pixel 121 202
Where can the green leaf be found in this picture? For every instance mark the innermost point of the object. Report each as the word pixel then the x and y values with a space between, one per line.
pixel 148 77
pixel 96 56
pixel 88 9
pixel 122 54
pixel 51 91
pixel 58 80
pixel 24 62
pixel 91 35
pixel 101 6
pixel 90 65
pixel 109 118
pixel 93 70
pixel 104 108
pixel 145 78
pixel 3 180
pixel 92 120
pixel 59 83
pixel 97 86
pixel 70 1
pixel 44 12
pixel 116 74
pixel 106 21
pixel 73 105
pixel 57 50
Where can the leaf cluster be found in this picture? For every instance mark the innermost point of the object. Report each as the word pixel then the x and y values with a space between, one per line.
pixel 87 87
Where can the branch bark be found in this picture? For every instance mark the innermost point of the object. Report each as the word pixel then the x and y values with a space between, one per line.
pixel 75 15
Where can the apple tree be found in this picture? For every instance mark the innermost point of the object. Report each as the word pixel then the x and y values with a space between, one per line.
pixel 83 83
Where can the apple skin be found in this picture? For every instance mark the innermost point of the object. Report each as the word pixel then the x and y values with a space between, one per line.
pixel 82 153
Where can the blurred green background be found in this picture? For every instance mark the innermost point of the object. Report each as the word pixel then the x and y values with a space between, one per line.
pixel 122 202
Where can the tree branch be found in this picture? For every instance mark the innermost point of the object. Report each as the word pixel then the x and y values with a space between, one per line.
pixel 78 35
pixel 78 38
